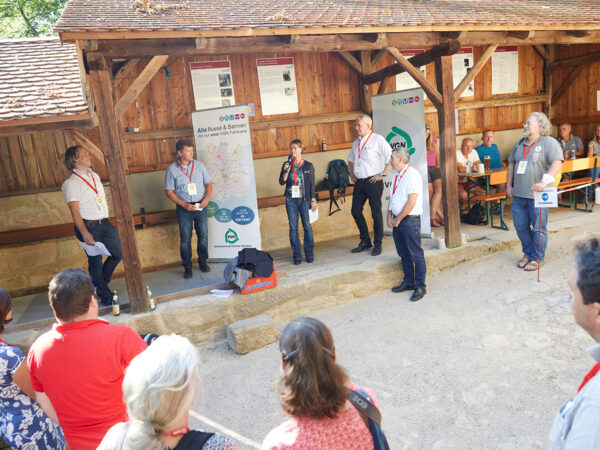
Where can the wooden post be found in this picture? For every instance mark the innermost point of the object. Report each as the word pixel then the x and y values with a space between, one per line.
pixel 101 84
pixel 549 81
pixel 365 62
pixel 443 76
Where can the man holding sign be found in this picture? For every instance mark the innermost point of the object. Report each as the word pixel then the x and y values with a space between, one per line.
pixel 188 185
pixel 532 165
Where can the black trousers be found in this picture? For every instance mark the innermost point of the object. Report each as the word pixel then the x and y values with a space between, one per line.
pixel 364 190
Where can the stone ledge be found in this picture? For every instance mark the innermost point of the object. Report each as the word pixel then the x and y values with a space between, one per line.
pixel 251 334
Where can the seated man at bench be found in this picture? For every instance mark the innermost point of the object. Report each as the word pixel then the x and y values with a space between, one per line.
pixel 571 146
pixel 467 161
pixel 490 150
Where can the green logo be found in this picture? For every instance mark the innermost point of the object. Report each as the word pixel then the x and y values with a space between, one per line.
pixel 231 236
pixel 398 138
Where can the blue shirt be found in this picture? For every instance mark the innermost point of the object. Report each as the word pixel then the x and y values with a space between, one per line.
pixel 492 152
pixel 177 179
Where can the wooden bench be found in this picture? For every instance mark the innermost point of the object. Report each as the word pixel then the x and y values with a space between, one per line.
pixel 575 165
pixel 495 178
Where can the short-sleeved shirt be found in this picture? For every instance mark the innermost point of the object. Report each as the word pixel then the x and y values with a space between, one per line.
pixel 595 147
pixel 178 177
pixel 539 159
pixel 572 146
pixel 92 205
pixel 491 151
pixel 471 159
pixel 432 154
pixel 375 153
pixel 401 186
pixel 80 367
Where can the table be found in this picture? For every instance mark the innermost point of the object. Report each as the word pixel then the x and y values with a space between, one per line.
pixel 470 183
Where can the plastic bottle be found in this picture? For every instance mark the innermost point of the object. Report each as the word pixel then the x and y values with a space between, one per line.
pixel 151 301
pixel 324 144
pixel 116 309
pixel 597 195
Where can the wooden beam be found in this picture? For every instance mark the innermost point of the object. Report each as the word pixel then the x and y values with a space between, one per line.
pixel 444 81
pixel 374 37
pixel 288 39
pixel 375 59
pixel 84 142
pixel 382 86
pixel 470 76
pixel 564 87
pixel 510 100
pixel 200 43
pixel 100 80
pixel 365 65
pixel 542 51
pixel 429 88
pixel 351 60
pixel 77 121
pixel 520 35
pixel 577 61
pixel 452 34
pixel 447 48
pixel 577 33
pixel 139 84
pixel 124 70
pixel 549 80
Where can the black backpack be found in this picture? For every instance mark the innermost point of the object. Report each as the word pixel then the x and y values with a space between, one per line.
pixel 337 177
pixel 475 216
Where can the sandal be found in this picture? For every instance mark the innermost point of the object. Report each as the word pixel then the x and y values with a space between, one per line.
pixel 434 223
pixel 533 265
pixel 523 262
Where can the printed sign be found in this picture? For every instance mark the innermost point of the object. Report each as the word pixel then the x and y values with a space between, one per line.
pixel 277 84
pixel 212 84
pixel 548 198
pixel 505 70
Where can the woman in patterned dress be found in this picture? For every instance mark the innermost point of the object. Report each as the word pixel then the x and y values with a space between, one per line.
pixel 23 424
pixel 314 392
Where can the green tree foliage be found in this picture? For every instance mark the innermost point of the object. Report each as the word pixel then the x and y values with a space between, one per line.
pixel 29 18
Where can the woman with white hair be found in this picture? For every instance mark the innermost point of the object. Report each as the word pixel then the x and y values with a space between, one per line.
pixel 159 388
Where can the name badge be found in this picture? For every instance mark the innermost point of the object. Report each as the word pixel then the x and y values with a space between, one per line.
pixel 358 164
pixel 100 203
pixel 295 191
pixel 192 190
pixel 521 167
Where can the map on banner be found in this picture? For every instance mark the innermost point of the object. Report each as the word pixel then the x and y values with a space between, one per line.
pixel 212 84
pixel 277 84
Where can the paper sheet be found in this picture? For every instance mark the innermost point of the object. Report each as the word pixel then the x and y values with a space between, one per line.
pixel 313 216
pixel 222 293
pixel 94 250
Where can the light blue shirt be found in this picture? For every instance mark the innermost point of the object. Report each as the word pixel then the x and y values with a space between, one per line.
pixel 177 179
pixel 577 424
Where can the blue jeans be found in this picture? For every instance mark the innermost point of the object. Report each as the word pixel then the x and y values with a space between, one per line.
pixel 101 273
pixel 526 219
pixel 407 237
pixel 197 220
pixel 299 207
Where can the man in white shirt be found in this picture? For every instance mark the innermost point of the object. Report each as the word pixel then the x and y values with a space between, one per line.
pixel 404 216
pixel 87 202
pixel 467 161
pixel 577 424
pixel 368 163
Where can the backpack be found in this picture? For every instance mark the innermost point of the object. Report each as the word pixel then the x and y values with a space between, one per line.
pixel 193 440
pixel 475 216
pixel 336 177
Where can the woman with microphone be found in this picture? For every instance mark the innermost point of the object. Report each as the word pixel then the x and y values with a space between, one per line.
pixel 298 176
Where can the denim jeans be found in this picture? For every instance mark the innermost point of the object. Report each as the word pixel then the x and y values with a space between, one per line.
pixel 407 237
pixel 526 219
pixel 299 207
pixel 101 273
pixel 197 220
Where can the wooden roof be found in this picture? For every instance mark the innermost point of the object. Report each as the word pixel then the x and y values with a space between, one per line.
pixel 267 17
pixel 39 80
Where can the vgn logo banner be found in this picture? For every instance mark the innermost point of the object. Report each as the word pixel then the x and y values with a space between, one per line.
pixel 400 118
pixel 223 144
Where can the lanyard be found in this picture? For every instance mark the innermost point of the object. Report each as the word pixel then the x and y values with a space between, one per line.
pixel 93 188
pixel 397 180
pixel 296 170
pixel 185 172
pixel 589 376
pixel 360 149
pixel 525 153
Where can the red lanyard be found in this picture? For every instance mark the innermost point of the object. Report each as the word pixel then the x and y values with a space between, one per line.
pixel 93 188
pixel 4 342
pixel 296 171
pixel 525 153
pixel 589 376
pixel 360 149
pixel 397 180
pixel 185 172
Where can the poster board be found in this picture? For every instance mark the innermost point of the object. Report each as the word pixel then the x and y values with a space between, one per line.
pixel 400 118
pixel 505 70
pixel 223 144
pixel 277 84
pixel 212 84
pixel 404 80
pixel 462 62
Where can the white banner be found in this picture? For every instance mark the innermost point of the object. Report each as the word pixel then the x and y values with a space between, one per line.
pixel 400 118
pixel 223 144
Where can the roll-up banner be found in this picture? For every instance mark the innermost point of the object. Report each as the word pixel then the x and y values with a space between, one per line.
pixel 400 118
pixel 223 145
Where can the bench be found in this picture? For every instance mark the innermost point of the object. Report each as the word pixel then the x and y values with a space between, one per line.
pixel 575 165
pixel 495 178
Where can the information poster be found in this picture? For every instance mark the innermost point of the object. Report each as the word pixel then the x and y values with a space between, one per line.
pixel 277 84
pixel 505 70
pixel 223 143
pixel 404 80
pixel 462 62
pixel 212 84
pixel 400 118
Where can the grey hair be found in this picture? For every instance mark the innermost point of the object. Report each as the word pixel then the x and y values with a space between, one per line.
pixel 366 118
pixel 156 384
pixel 402 153
pixel 544 123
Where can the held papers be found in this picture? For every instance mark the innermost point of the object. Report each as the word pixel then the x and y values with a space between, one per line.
pixel 94 250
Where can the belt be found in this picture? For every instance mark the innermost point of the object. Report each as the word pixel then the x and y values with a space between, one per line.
pixel 407 217
pixel 99 221
pixel 368 178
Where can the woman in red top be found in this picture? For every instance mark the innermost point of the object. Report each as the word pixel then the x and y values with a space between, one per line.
pixel 314 392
